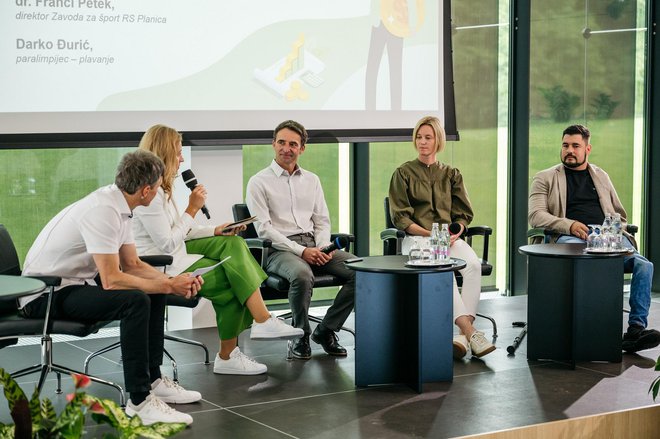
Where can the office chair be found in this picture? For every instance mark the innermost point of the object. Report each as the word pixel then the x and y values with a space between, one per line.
pixel 276 287
pixel 172 300
pixel 392 238
pixel 13 325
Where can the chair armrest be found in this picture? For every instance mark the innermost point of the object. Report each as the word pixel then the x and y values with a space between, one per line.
pixel 392 233
pixel 259 248
pixel 258 243
pixel 479 230
pixel 50 281
pixel 484 231
pixel 157 260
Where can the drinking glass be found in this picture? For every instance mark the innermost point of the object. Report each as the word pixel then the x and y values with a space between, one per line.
pixel 415 252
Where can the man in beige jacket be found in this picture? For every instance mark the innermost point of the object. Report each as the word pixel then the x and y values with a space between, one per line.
pixel 567 197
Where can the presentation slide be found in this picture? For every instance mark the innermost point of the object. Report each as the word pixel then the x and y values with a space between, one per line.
pixel 70 66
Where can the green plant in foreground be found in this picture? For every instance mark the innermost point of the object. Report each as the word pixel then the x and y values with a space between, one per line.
pixel 655 385
pixel 37 418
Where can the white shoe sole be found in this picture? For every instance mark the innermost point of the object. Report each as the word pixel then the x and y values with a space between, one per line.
pixel 282 336
pixel 238 372
pixel 484 352
pixel 178 401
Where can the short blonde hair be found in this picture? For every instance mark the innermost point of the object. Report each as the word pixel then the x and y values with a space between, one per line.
pixel 164 141
pixel 437 128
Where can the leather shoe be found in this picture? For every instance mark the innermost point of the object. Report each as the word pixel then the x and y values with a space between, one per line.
pixel 329 341
pixel 301 349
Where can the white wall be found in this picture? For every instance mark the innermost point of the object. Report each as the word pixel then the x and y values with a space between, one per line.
pixel 221 171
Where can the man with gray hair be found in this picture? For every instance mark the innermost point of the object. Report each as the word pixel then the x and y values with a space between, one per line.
pixel 93 238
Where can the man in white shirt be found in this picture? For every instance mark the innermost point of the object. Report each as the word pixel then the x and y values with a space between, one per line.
pixel 291 211
pixel 93 236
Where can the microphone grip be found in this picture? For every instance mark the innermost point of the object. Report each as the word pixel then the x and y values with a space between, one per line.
pixel 332 246
pixel 454 228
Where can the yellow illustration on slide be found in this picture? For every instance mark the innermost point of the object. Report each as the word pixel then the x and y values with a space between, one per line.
pixel 285 77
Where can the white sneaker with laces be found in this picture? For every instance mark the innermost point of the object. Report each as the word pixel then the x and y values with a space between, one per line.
pixel 460 345
pixel 238 364
pixel 274 328
pixel 169 391
pixel 154 410
pixel 480 345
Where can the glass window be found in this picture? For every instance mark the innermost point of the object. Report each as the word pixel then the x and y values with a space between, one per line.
pixel 38 183
pixel 480 56
pixel 587 67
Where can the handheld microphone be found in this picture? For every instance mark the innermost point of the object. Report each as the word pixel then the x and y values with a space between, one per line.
pixel 191 181
pixel 454 228
pixel 339 242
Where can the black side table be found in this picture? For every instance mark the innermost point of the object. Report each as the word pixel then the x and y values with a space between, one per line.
pixel 574 304
pixel 403 322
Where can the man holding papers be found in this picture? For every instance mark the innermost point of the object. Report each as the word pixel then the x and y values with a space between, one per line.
pixel 233 286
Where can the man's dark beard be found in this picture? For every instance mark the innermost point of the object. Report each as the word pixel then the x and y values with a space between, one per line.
pixel 575 164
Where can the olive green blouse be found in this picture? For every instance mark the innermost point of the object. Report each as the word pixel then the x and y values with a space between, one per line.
pixel 425 195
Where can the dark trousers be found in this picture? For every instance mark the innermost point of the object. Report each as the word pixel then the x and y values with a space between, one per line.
pixel 301 279
pixel 142 325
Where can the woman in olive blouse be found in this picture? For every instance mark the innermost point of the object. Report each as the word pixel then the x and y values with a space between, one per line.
pixel 424 191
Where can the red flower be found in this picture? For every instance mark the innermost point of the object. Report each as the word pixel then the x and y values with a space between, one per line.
pixel 97 408
pixel 70 396
pixel 80 380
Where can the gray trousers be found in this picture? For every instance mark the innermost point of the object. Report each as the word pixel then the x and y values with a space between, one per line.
pixel 301 278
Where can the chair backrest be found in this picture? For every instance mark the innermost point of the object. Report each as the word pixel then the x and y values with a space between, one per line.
pixel 9 263
pixel 241 212
pixel 388 217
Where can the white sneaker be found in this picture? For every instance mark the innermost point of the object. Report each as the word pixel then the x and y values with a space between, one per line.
pixel 274 328
pixel 460 345
pixel 480 345
pixel 168 391
pixel 238 364
pixel 154 410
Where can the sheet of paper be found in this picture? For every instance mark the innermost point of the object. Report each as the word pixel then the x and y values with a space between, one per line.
pixel 204 270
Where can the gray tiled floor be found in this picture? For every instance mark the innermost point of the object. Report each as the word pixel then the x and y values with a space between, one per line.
pixel 318 398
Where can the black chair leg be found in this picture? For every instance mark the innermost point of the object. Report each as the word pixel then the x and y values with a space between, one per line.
pixel 175 371
pixel 99 352
pixel 492 320
pixel 48 366
pixel 190 342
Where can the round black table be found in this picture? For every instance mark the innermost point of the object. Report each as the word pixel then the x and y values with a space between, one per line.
pixel 574 303
pixel 403 322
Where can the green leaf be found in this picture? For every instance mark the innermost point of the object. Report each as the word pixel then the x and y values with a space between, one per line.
pixel 7 432
pixel 35 407
pixel 12 391
pixel 655 387
pixel 168 429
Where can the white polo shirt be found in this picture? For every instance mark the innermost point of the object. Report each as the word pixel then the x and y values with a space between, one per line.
pixel 96 224
pixel 287 205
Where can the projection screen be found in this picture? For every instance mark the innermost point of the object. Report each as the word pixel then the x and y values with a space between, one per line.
pixel 352 69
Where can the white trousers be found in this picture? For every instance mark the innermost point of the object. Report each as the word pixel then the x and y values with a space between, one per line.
pixel 467 301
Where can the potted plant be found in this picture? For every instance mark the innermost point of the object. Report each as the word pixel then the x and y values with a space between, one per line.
pixel 37 418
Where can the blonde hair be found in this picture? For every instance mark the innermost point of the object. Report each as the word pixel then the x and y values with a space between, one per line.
pixel 164 141
pixel 437 128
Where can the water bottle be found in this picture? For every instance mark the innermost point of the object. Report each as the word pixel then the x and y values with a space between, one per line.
pixel 606 231
pixel 617 232
pixel 434 242
pixel 445 240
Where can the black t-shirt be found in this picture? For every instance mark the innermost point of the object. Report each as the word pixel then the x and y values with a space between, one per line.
pixel 582 202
